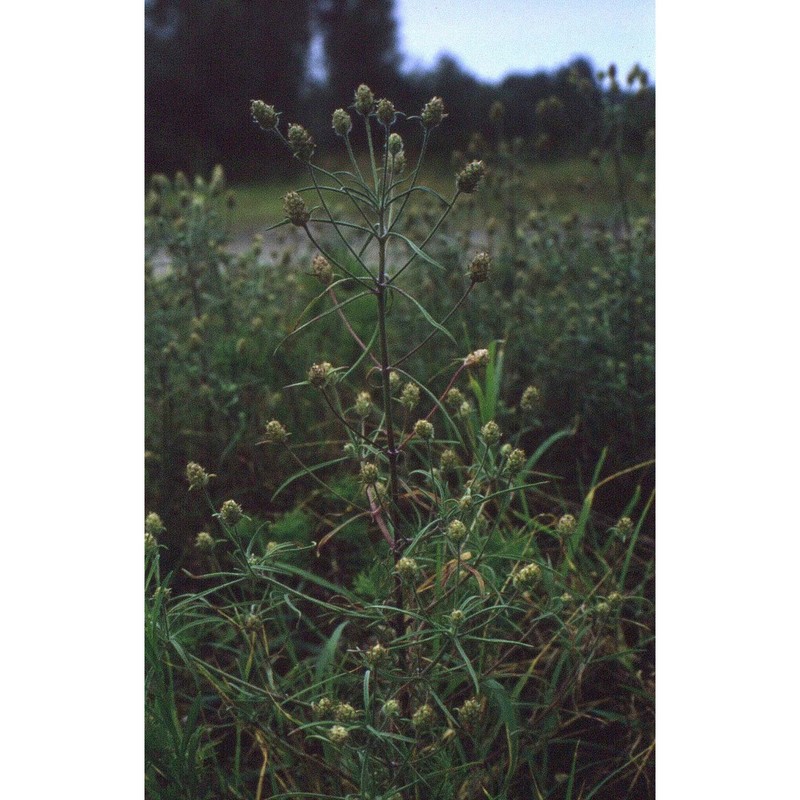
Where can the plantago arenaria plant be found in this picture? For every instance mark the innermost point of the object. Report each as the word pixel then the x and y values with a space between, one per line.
pixel 420 645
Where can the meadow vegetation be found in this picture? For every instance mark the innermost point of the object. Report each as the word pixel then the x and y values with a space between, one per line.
pixel 399 469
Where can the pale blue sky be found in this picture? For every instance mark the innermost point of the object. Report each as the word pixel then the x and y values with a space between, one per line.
pixel 491 39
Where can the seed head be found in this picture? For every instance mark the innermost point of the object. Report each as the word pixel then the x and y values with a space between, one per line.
pixel 364 100
pixel 376 654
pixel 295 209
pixel 385 111
pixel 344 712
pixel 300 142
pixel 624 526
pixel 477 358
pixel 456 617
pixel 423 430
pixel 469 713
pixel 530 399
pixel 368 473
pixel 527 576
pixel 395 143
pixel 454 398
pixel 394 380
pixel 231 512
pixel 150 542
pixel 491 433
pixel 448 461
pixel 338 735
pixel 204 542
pixel 319 374
pixel 566 525
pixel 252 622
pixel 602 608
pixel 196 475
pixel 422 718
pixel 479 268
pixel 465 409
pixel 275 433
pixel 363 404
pixel 266 116
pixel 456 531
pixel 433 112
pixel 342 122
pixel 322 269
pixel 322 708
pixel 409 397
pixel 350 450
pixel 391 708
pixel 153 524
pixel 406 567
pixel 614 599
pixel 516 460
pixel 469 177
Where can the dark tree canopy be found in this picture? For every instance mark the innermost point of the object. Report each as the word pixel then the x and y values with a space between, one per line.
pixel 360 44
pixel 204 61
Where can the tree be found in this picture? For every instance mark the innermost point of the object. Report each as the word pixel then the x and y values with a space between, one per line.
pixel 360 46
pixel 205 60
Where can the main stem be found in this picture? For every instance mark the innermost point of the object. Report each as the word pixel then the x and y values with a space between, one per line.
pixel 391 449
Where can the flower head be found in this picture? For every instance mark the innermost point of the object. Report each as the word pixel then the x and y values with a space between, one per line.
pixel 477 358
pixel 479 268
pixel 566 525
pixel 527 576
pixel 368 474
pixel 319 374
pixel 433 112
pixel 295 209
pixel 322 269
pixel 266 116
pixel 406 567
pixel 342 122
pixel 153 524
pixel 275 432
pixel 491 433
pixel 231 512
pixel 338 735
pixel 423 430
pixel 385 112
pixel 469 177
pixel 365 100
pixel 196 475
pixel 456 531
pixel 300 142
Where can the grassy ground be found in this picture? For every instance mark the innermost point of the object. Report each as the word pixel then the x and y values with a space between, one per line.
pixel 567 185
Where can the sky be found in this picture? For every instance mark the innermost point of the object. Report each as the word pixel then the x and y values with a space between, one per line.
pixel 491 39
